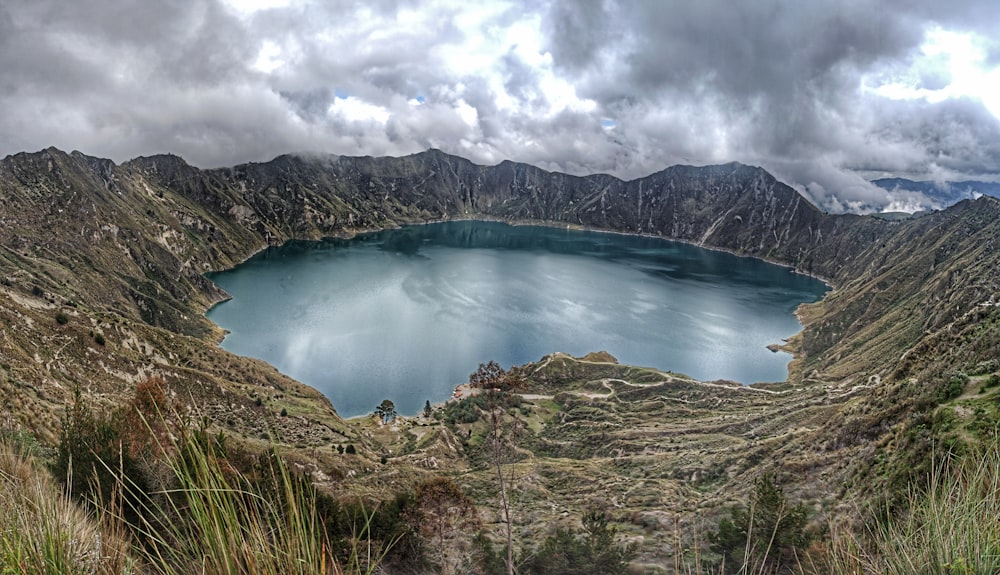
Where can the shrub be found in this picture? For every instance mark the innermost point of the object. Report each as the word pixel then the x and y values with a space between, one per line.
pixel 385 528
pixel 62 318
pixel 765 536
pixel 591 550
pixel 984 367
pixel 952 387
pixel 99 339
pixel 464 411
pixel 86 442
pixel 442 514
pixel 471 409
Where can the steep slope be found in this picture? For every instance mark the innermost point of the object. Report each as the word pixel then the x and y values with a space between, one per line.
pixel 102 286
pixel 120 251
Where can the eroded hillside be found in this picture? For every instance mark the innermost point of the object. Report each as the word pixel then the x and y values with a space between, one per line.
pixel 102 285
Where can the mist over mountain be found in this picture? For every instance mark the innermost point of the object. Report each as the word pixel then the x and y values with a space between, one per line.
pixel 102 282
pixel 931 195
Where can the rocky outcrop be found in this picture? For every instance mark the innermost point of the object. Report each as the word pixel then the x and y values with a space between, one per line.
pixel 102 284
pixel 150 228
pixel 133 241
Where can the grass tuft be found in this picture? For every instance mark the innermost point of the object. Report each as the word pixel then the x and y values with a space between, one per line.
pixel 42 531
pixel 214 519
pixel 950 527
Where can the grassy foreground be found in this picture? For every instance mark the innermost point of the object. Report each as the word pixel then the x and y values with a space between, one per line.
pixel 211 520
pixel 951 526
pixel 214 520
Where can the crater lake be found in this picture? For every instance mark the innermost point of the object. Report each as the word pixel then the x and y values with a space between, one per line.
pixel 408 314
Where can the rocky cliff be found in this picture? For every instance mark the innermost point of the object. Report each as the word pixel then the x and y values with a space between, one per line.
pixel 89 248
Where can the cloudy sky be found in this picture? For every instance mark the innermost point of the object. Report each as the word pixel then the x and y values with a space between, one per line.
pixel 825 94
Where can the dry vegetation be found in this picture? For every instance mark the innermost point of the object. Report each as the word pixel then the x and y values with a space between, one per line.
pixel 101 287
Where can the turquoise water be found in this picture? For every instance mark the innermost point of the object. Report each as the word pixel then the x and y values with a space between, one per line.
pixel 408 314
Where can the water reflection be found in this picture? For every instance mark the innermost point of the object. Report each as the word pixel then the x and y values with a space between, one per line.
pixel 407 314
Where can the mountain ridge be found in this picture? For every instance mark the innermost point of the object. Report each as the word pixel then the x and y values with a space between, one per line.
pixel 739 208
pixel 121 251
pixel 940 194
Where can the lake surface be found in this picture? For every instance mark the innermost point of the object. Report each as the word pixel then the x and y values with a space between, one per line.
pixel 408 314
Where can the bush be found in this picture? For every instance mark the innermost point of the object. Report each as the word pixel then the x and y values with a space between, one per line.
pixel 464 411
pixel 99 339
pixel 765 536
pixel 62 318
pixel 951 388
pixel 96 454
pixel 386 528
pixel 470 409
pixel 984 367
pixel 591 550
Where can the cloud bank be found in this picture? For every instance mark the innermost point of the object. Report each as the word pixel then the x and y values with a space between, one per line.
pixel 826 95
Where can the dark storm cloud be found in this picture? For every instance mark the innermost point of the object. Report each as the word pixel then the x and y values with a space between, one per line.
pixel 580 32
pixel 957 135
pixel 117 78
pixel 777 83
pixel 578 86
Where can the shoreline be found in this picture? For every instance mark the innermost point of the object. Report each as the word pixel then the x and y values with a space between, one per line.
pixel 577 227
pixel 220 333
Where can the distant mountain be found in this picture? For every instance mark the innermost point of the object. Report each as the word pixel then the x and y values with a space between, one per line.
pixel 102 284
pixel 135 239
pixel 941 194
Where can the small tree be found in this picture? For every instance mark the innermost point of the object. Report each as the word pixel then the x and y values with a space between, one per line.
pixel 98 452
pixel 764 536
pixel 442 513
pixel 86 441
pixel 386 411
pixel 427 408
pixel 592 550
pixel 497 385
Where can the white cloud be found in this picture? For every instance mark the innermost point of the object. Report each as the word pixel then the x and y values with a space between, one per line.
pixel 247 8
pixel 961 56
pixel 357 110
pixel 269 58
pixel 822 94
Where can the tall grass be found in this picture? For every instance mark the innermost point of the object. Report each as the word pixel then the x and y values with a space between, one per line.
pixel 211 519
pixel 42 531
pixel 951 527
pixel 216 520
